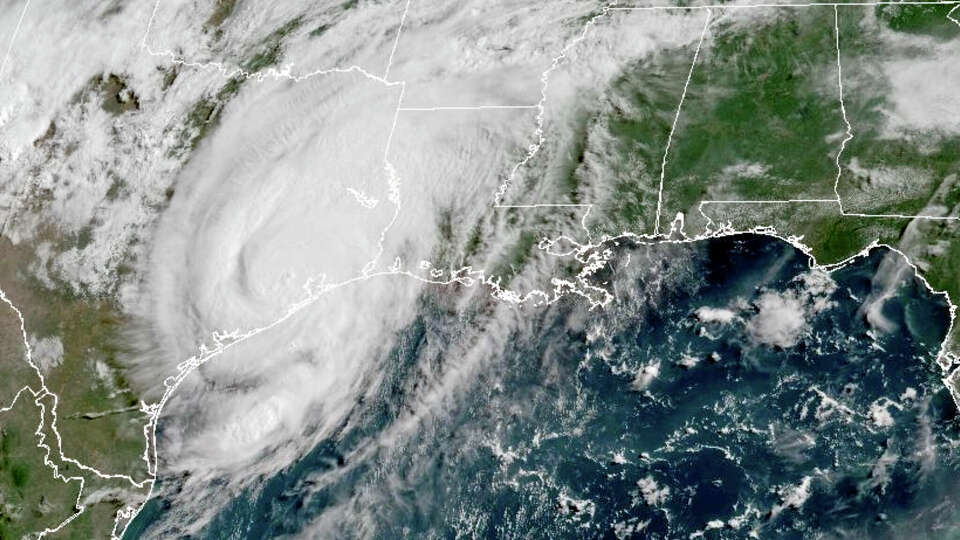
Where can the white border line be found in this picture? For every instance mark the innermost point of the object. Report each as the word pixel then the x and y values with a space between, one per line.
pixel 676 118
pixel 467 108
pixel 784 5
pixel 843 110
pixel 13 37
pixel 396 41
pixel 585 253
pixel 849 135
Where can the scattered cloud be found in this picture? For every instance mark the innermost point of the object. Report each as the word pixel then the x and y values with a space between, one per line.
pixel 782 317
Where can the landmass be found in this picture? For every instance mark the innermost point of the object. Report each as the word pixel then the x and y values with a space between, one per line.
pixel 835 127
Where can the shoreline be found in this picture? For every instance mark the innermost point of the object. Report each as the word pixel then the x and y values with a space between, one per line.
pixel 583 253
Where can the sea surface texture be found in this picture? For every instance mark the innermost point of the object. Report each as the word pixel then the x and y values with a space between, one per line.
pixel 729 390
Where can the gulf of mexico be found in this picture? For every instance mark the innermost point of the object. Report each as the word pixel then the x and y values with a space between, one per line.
pixel 791 415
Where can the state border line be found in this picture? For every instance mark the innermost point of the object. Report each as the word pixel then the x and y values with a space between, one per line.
pixel 465 108
pixel 224 341
pixel 709 7
pixel 785 5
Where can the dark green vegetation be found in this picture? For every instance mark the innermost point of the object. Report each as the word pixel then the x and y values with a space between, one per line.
pixel 832 236
pixel 573 159
pixel 98 417
pixel 47 136
pixel 639 127
pixel 621 142
pixel 464 245
pixel 899 176
pixel 918 19
pixel 943 274
pixel 762 121
pixel 204 117
pixel 883 173
pixel 887 173
pixel 269 51
pixel 170 75
pixel 332 17
pixel 766 97
pixel 320 30
pixel 910 173
pixel 117 188
pixel 31 499
pixel 517 255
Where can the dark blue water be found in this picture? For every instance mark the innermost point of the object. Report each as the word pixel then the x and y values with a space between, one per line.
pixel 643 420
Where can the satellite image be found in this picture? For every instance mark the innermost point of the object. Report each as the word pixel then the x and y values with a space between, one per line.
pixel 519 269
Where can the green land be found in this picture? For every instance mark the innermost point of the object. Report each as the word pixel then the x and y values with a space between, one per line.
pixel 98 416
pixel 762 121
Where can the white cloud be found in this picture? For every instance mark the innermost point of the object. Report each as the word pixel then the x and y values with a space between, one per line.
pixel 717 315
pixel 651 493
pixel 780 320
pixel 923 90
pixel 47 352
pixel 645 376
pixel 880 412
pixel 793 496
pixel 886 281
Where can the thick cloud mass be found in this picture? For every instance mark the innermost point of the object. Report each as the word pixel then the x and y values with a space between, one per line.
pixel 318 179
pixel 290 193
pixel 266 205
pixel 318 176
pixel 297 188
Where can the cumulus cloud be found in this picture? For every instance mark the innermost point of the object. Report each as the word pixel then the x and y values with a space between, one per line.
pixel 270 202
pixel 782 317
pixel 652 493
pixel 780 320
pixel 280 196
pixel 715 315
pixel 47 352
pixel 920 91
pixel 645 376
pixel 793 496
pixel 294 188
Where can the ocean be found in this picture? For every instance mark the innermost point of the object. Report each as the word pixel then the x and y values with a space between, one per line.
pixel 729 390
